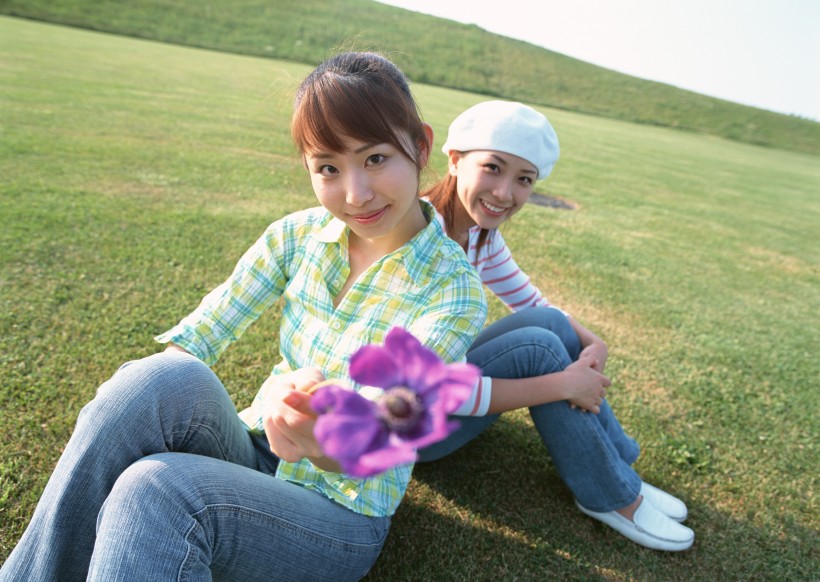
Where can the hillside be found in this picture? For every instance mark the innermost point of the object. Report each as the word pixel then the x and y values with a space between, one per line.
pixel 431 50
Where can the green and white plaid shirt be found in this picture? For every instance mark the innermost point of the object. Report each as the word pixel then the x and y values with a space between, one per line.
pixel 427 287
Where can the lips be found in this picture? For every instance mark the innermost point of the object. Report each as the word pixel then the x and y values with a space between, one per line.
pixel 492 209
pixel 369 217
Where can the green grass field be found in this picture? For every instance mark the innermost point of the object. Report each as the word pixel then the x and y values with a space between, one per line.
pixel 133 175
pixel 431 50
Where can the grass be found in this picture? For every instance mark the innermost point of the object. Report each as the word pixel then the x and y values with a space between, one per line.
pixel 431 50
pixel 134 174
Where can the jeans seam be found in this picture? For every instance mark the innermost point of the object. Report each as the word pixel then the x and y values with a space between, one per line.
pixel 297 529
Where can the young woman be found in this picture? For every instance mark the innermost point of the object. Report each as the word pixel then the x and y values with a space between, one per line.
pixel 162 480
pixel 539 357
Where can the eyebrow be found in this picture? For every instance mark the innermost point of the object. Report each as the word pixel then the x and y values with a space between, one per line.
pixel 503 162
pixel 327 155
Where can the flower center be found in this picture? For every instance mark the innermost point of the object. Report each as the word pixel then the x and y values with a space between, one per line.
pixel 400 408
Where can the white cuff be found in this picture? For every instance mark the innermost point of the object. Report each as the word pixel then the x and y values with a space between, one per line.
pixel 479 402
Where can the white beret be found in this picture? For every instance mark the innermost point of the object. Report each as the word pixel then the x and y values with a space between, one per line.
pixel 508 127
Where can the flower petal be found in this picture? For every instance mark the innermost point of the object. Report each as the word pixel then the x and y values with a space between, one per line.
pixel 420 366
pixel 348 425
pixel 459 385
pixel 380 460
pixel 375 366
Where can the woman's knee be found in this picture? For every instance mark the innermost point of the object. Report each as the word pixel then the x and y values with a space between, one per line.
pixel 158 374
pixel 149 483
pixel 150 384
pixel 521 353
pixel 558 323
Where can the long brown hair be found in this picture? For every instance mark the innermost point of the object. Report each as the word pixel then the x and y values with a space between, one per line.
pixel 358 95
pixel 444 197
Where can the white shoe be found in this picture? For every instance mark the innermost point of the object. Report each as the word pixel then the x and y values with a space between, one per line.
pixel 649 527
pixel 664 502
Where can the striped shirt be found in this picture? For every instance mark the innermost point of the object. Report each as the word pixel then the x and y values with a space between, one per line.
pixel 426 286
pixel 499 271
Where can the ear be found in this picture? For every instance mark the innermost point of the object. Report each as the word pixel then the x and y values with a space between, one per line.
pixel 453 158
pixel 424 148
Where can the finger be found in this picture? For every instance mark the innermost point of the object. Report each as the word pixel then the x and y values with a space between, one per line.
pixel 300 402
pixel 305 378
pixel 279 444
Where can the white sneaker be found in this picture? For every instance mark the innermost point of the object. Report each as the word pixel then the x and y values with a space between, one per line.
pixel 664 502
pixel 649 527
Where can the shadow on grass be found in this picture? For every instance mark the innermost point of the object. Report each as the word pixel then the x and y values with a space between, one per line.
pixel 497 510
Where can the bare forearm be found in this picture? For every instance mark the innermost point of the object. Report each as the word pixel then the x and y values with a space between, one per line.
pixel 175 348
pixel 586 336
pixel 511 394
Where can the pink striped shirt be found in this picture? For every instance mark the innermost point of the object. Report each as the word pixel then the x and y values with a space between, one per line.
pixel 499 271
pixel 502 275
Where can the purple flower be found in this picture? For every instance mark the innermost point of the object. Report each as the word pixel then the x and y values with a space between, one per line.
pixel 367 437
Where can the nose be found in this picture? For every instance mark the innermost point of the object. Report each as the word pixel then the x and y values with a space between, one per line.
pixel 357 189
pixel 504 191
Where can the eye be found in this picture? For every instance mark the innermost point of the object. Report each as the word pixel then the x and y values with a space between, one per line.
pixel 526 180
pixel 327 170
pixel 492 168
pixel 375 159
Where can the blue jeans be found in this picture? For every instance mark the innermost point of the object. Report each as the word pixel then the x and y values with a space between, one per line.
pixel 161 481
pixel 591 452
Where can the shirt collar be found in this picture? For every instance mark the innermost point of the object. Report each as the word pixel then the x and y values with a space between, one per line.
pixel 415 255
pixel 332 232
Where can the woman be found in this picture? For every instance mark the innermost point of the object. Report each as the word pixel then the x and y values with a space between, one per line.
pixel 162 480
pixel 539 357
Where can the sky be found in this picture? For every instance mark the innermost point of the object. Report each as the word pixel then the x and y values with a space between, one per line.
pixel 763 53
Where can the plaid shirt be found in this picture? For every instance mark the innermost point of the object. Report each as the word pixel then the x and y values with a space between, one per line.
pixel 427 286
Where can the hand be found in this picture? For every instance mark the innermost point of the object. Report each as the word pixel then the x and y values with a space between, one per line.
pixel 597 350
pixel 288 418
pixel 588 385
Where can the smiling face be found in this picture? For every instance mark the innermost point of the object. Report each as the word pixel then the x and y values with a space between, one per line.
pixel 371 187
pixel 492 186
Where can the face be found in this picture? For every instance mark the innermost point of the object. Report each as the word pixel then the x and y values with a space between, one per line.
pixel 371 187
pixel 492 185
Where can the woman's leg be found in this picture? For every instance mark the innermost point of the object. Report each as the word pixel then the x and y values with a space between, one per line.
pixel 591 452
pixel 167 402
pixel 496 336
pixel 176 516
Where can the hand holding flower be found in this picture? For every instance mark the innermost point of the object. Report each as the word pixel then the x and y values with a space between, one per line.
pixel 419 391
pixel 288 419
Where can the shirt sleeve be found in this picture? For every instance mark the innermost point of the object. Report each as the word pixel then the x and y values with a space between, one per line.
pixel 502 275
pixel 257 281
pixel 455 316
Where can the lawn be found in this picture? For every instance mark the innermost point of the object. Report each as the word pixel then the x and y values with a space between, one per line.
pixel 133 174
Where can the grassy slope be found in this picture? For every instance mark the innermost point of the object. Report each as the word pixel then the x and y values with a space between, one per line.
pixel 431 50
pixel 130 188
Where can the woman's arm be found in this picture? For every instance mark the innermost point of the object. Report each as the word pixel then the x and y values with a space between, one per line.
pixel 288 419
pixel 580 384
pixel 175 348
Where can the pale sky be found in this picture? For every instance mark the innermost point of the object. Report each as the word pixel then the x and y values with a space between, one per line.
pixel 763 53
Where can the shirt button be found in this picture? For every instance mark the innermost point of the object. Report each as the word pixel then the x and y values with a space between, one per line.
pixel 336 325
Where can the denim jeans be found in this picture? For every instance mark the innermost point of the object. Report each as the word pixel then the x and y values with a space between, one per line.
pixel 161 481
pixel 591 452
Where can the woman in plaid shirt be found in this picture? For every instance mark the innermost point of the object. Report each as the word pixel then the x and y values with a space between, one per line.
pixel 162 480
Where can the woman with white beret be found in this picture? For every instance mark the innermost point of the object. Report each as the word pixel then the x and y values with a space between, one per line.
pixel 539 357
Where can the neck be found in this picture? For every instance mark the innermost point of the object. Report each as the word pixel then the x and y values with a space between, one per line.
pixel 372 249
pixel 462 223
